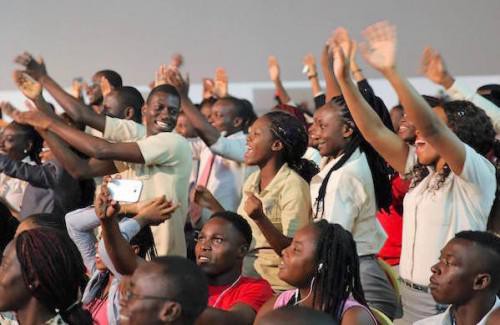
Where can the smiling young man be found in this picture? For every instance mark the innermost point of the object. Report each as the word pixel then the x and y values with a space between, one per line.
pixel 467 277
pixel 221 246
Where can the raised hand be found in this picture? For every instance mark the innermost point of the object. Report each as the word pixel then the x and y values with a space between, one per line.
pixel 274 68
pixel 161 76
pixel 341 46
pixel 33 117
pixel 379 50
pixel 156 211
pixel 221 83
pixel 105 86
pixel 253 207
pixel 173 77
pixel 208 88
pixel 176 61
pixel 27 85
pixel 105 207
pixel 310 63
pixel 35 68
pixel 203 197
pixel 9 109
pixel 77 86
pixel 434 68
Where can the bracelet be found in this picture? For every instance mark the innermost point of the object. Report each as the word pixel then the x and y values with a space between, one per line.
pixel 312 76
pixel 357 70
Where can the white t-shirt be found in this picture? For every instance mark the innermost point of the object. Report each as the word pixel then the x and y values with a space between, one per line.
pixel 350 201
pixel 433 216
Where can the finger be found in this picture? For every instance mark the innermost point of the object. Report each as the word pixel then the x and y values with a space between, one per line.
pixel 29 104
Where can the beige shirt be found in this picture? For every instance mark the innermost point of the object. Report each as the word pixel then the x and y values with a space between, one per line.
pixel 434 213
pixel 286 203
pixel 350 201
pixel 166 171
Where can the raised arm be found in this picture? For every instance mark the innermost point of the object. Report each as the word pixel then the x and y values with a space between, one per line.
pixel 434 68
pixel 274 75
pixel 205 130
pixel 380 53
pixel 44 176
pixel 392 148
pixel 332 87
pixel 91 146
pixel 77 110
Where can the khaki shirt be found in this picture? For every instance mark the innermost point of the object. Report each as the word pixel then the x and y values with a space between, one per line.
pixel 287 204
pixel 166 171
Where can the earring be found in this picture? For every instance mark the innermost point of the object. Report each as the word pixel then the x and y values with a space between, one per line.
pixel 25 151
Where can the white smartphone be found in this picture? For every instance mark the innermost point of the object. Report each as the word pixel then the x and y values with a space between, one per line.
pixel 125 190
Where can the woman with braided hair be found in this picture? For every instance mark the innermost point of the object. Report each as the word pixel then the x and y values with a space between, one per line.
pixel 42 277
pixel 276 197
pixel 323 265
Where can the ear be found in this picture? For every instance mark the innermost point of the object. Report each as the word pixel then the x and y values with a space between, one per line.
pixel 277 145
pixel 482 281
pixel 237 122
pixel 242 251
pixel 347 131
pixel 129 112
pixel 170 312
pixel 136 249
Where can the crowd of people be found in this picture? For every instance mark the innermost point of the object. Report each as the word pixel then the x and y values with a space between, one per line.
pixel 348 213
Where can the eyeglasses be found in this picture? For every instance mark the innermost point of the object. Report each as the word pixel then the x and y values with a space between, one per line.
pixel 129 295
pixel 214 241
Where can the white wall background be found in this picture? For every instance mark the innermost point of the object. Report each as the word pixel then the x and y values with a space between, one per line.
pixel 133 37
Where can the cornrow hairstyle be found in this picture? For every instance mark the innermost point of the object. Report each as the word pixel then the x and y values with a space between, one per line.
pixel 464 119
pixel 338 276
pixel 238 222
pixel 50 259
pixel 378 167
pixel 32 135
pixel 144 239
pixel 293 135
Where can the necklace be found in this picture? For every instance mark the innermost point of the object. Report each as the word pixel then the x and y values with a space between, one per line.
pixel 226 291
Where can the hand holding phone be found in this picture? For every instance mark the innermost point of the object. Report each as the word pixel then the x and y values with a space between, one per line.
pixel 125 190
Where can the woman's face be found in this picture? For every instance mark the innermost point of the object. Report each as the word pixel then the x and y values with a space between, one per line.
pixel 298 260
pixel 14 294
pixel 260 143
pixel 330 131
pixel 14 143
pixel 426 154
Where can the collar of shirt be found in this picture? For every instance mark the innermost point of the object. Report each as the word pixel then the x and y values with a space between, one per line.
pixel 326 164
pixel 282 174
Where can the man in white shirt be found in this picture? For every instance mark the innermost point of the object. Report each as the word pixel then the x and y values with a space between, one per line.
pixel 467 277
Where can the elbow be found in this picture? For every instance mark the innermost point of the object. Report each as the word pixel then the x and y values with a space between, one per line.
pixel 101 151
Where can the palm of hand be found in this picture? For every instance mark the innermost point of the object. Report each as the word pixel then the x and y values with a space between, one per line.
pixel 274 72
pixel 435 70
pixel 203 197
pixel 381 54
pixel 28 86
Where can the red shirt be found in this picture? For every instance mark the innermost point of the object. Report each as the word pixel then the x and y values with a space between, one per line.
pixel 249 291
pixel 392 221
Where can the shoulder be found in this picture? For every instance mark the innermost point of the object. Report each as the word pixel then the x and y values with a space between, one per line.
pixel 248 282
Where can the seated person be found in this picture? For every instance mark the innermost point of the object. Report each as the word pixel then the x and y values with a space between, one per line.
pixel 167 290
pixel 322 262
pixel 296 315
pixel 221 246
pixel 467 277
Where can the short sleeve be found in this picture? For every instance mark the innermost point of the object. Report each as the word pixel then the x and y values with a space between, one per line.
pixel 477 169
pixel 295 207
pixel 120 130
pixel 254 294
pixel 165 148
pixel 233 149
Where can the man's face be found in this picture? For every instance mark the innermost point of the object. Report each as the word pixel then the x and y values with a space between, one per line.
pixel 161 113
pixel 219 247
pixel 94 92
pixel 137 305
pixel 452 280
pixel 222 116
pixel 112 106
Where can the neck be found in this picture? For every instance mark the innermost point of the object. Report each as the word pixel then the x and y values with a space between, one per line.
pixel 473 310
pixel 306 292
pixel 226 278
pixel 33 313
pixel 440 165
pixel 268 171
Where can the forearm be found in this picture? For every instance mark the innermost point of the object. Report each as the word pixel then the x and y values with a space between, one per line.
pixel 315 86
pixel 36 175
pixel 77 110
pixel 416 108
pixel 117 247
pixel 274 237
pixel 281 91
pixel 332 87
pixel 205 130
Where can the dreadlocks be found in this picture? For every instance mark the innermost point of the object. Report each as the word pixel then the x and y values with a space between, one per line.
pixel 53 270
pixel 378 168
pixel 338 276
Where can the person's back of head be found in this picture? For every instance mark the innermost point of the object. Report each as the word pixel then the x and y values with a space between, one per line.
pixel 114 78
pixel 130 97
pixel 296 315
